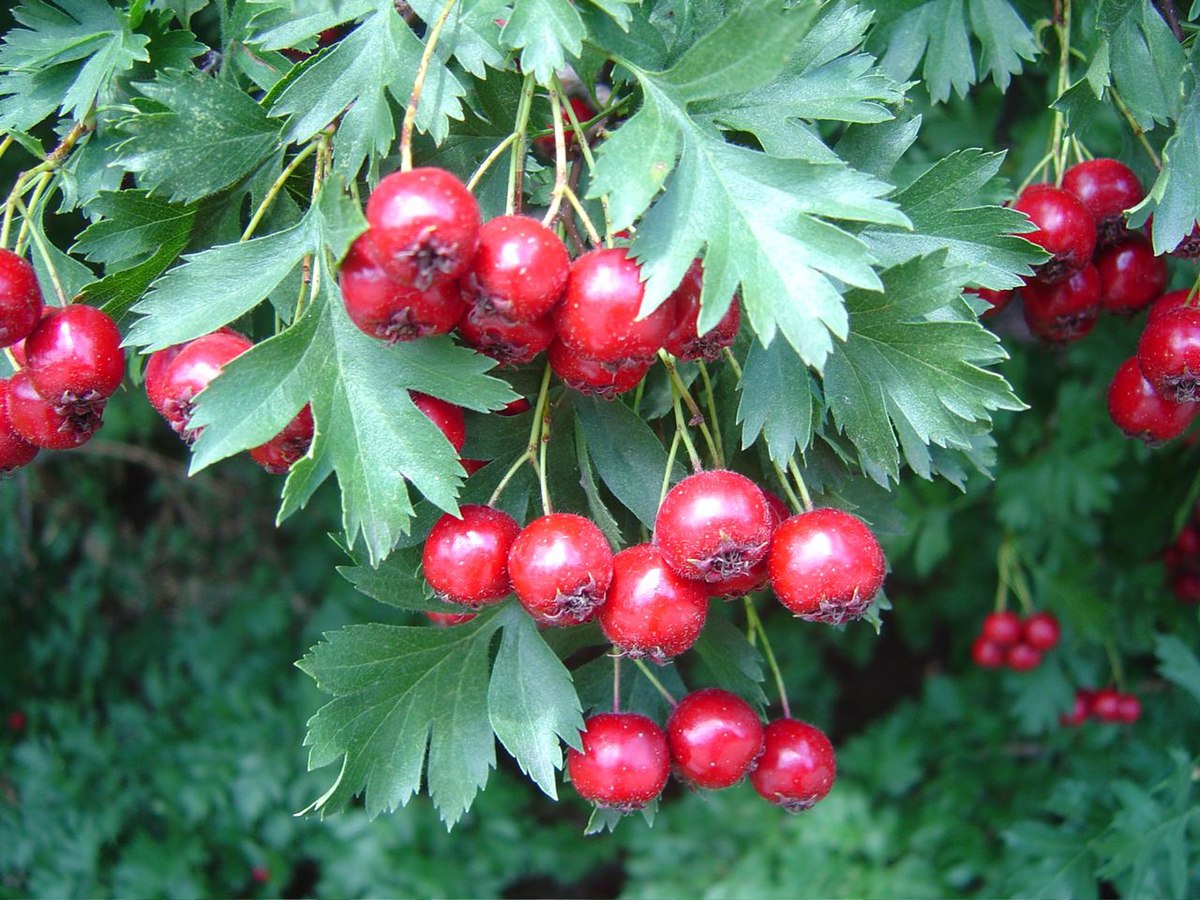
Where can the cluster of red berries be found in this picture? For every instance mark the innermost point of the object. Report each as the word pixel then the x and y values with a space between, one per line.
pixel 175 376
pixel 712 741
pixel 1106 704
pixel 428 265
pixel 1182 562
pixel 70 362
pixel 1007 640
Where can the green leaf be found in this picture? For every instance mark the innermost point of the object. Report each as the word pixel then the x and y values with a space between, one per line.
pixel 734 664
pixel 911 373
pixel 1005 40
pixel 396 692
pixel 1173 197
pixel 547 32
pixel 116 292
pixel 776 400
pixel 282 24
pixel 626 454
pixel 471 33
pixel 132 224
pixel 979 238
pixel 532 702
pixel 194 135
pixel 1177 663
pixel 1147 64
pixel 599 512
pixel 397 582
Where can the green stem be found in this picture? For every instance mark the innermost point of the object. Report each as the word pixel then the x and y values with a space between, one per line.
pixel 733 363
pixel 588 159
pixel 680 391
pixel 535 435
pixel 496 153
pixel 45 254
pixel 666 479
pixel 805 498
pixel 1062 29
pixel 543 443
pixel 414 99
pixel 1138 133
pixel 516 166
pixel 681 431
pixel 616 658
pixel 756 623
pixel 31 209
pixel 1114 662
pixel 710 401
pixel 592 233
pixel 653 679
pixel 276 186
pixel 1002 567
pixel 560 161
pixel 793 501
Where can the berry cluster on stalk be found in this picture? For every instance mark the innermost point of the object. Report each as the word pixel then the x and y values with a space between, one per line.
pixel 1181 559
pixel 1107 704
pixel 1005 639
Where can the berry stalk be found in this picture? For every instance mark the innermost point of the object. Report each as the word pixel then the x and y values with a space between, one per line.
pixel 516 166
pixel 414 99
pixel 756 625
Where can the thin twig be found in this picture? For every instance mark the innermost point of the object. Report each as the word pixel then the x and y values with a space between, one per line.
pixel 414 99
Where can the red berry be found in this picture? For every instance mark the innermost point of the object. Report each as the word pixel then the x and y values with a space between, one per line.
pixel 195 366
pixel 624 763
pixel 1107 188
pixel 797 767
pixel 279 453
pixel 561 566
pixel 509 343
pixel 426 226
pixel 714 737
pixel 17 720
pixel 1106 705
pixel 583 113
pixel 1040 631
pixel 651 611
pixel 1129 708
pixel 1167 303
pixel 599 317
pixel 1131 276
pixel 73 355
pixel 987 654
pixel 1066 310
pixel 826 565
pixel 758 576
pixel 1186 587
pixel 15 451
pixel 713 526
pixel 392 310
pixel 1189 247
pixel 1169 355
pixel 1141 412
pixel 449 620
pixel 20 298
pixel 683 341
pixel 260 874
pixel 445 415
pixel 1065 229
pixel 997 299
pixel 154 376
pixel 1002 628
pixel 1023 657
pixel 515 407
pixel 520 271
pixel 1080 711
pixel 466 560
pixel 588 376
pixel 47 425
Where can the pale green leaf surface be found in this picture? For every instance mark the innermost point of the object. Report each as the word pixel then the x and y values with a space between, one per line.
pixel 776 400
pixel 547 32
pixel 131 224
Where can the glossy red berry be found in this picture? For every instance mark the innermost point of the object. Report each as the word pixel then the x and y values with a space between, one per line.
pixel 758 576
pixel 154 376
pixel 466 560
pixel 1107 188
pixel 1167 303
pixel 624 763
pixel 714 737
pixel 1023 657
pixel 520 271
pixel 1131 276
pixel 826 565
pixel 20 298
pixel 446 416
pixel 987 654
pixel 599 316
pixel 47 425
pixel 588 376
pixel 426 226
pixel 997 299
pixel 1066 310
pixel 713 526
pixel 651 611
pixel 1081 710
pixel 1141 412
pixel 1065 229
pixel 1106 705
pixel 561 566
pixel 15 451
pixel 1169 355
pixel 449 620
pixel 684 342
pixel 1002 628
pixel 1041 631
pixel 278 454
pixel 73 355
pixel 1129 708
pixel 1186 588
pixel 191 371
pixel 389 309
pixel 797 767
pixel 509 343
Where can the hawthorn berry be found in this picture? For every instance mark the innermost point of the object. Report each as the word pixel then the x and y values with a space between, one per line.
pixel 1131 276
pixel 15 451
pixel 651 611
pixel 389 309
pixel 826 565
pixel 599 317
pixel 74 356
pixel 714 737
pixel 20 298
pixel 1106 187
pixel 987 654
pixel 1189 247
pixel 448 418
pixel 713 526
pixel 1186 587
pixel 560 565
pixel 1129 708
pixel 1169 355
pixel 191 371
pixel 1065 229
pixel 684 342
pixel 624 763
pixel 279 453
pixel 520 270
pixel 1066 310
pixel 1167 303
pixel 466 559
pixel 17 720
pixel 589 376
pixel 1041 631
pixel 509 343
pixel 758 576
pixel 1081 710
pixel 1106 705
pixel 47 425
pixel 1141 412
pixel 1002 628
pixel 1022 657
pixel 797 767
pixel 426 226
pixel 449 620
pixel 583 113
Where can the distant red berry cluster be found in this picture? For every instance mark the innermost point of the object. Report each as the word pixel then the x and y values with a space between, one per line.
pixel 1007 640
